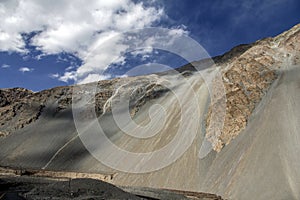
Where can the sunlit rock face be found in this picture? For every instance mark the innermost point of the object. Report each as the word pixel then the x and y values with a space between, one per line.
pixel 248 77
pixel 246 81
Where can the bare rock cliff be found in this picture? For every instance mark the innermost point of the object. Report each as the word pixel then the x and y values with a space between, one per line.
pixel 247 79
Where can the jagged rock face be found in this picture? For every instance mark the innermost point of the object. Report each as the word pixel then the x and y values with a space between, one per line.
pixel 289 41
pixel 22 107
pixel 246 81
pixel 8 96
pixel 143 95
pixel 137 90
pixel 9 108
pixel 18 115
pixel 248 78
pixel 28 106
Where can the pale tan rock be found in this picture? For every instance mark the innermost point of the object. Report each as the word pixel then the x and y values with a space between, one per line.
pixel 247 79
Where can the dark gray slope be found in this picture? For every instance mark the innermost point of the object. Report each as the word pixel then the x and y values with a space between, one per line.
pixel 34 145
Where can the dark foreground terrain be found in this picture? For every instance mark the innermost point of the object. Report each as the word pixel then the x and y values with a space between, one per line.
pixel 26 187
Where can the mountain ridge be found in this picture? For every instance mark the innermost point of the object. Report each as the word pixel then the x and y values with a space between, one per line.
pixel 255 154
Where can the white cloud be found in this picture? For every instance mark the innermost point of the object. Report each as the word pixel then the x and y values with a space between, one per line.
pixel 4 66
pixel 69 68
pixel 94 77
pixel 54 76
pixel 143 52
pixel 68 76
pixel 75 27
pixel 25 69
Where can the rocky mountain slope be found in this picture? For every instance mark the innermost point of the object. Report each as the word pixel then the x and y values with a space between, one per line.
pixel 255 154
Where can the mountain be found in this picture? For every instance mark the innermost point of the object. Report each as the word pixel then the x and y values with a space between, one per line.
pixel 238 139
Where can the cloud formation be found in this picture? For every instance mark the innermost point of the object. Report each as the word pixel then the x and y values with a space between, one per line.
pixel 25 69
pixel 75 27
pixel 5 66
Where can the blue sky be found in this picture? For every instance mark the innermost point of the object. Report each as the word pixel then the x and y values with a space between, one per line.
pixel 43 44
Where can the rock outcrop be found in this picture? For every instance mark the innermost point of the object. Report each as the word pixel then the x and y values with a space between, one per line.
pixel 9 96
pixel 247 79
pixel 21 107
